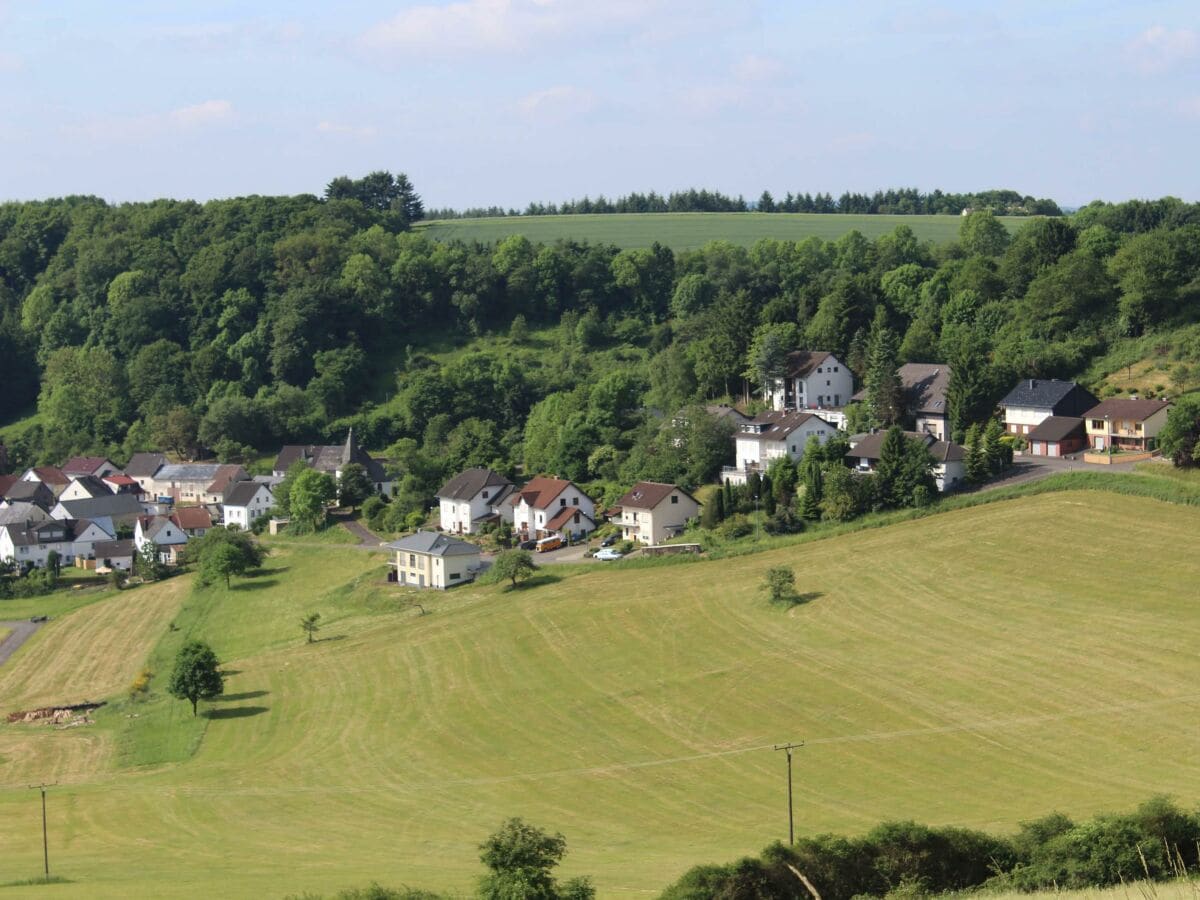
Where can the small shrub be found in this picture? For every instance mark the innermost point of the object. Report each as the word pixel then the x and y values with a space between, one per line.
pixel 625 547
pixel 780 585
pixel 737 526
pixel 140 686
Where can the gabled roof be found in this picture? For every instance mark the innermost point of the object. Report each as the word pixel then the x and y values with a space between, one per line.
pixel 564 516
pixel 540 492
pixel 725 411
pixel 113 549
pixel 648 494
pixel 241 493
pixel 1056 428
pixel 226 475
pixel 776 426
pixel 95 487
pixel 144 465
pixel 188 472
pixel 51 475
pixel 7 481
pixel 800 363
pixel 85 465
pixel 114 505
pixel 330 458
pixel 870 445
pixel 434 544
pixel 924 386
pixel 152 526
pixel 1129 408
pixel 1065 398
pixel 466 485
pixel 189 518
pixel 20 512
pixel 31 492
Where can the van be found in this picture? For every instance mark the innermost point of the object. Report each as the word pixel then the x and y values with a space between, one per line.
pixel 549 543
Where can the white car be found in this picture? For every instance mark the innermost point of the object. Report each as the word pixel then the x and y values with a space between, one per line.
pixel 608 553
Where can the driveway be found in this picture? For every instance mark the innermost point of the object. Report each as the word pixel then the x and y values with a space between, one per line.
pixel 366 537
pixel 1034 468
pixel 21 632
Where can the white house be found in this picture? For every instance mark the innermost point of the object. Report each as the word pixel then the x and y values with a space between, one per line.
pixel 194 482
pixel 771 435
pixel 85 487
pixel 114 555
pixel 29 544
pixel 652 512
pixel 473 497
pixel 1034 400
pixel 163 533
pixel 552 506
pixel 142 468
pixel 96 466
pixel 429 559
pixel 814 379
pixel 949 459
pixel 245 502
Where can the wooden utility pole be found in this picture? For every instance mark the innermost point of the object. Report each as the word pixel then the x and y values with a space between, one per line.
pixel 45 841
pixel 788 748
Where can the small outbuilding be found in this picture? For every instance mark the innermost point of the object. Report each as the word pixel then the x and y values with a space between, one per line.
pixel 1057 436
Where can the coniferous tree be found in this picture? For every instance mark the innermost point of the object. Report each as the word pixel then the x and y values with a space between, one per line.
pixel 884 400
pixel 993 450
pixel 976 462
pixel 719 505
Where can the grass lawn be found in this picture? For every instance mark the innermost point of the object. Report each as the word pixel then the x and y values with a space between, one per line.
pixel 333 534
pixel 688 231
pixel 978 667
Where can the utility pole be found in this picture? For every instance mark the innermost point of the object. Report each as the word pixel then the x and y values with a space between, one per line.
pixel 45 842
pixel 788 748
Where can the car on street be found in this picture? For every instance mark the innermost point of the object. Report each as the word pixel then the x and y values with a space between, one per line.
pixel 526 545
pixel 608 553
pixel 609 541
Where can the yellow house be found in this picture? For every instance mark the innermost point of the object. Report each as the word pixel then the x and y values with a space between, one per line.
pixel 652 512
pixel 431 560
pixel 1125 424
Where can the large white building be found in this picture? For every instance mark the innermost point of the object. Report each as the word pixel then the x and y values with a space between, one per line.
pixel 246 501
pixel 814 379
pixel 771 435
pixel 652 512
pixel 552 506
pixel 473 497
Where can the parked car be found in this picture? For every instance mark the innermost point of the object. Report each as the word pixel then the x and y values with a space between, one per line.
pixel 609 541
pixel 608 553
pixel 39 619
pixel 527 545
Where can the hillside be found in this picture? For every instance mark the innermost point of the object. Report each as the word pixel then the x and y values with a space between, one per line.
pixel 690 231
pixel 977 667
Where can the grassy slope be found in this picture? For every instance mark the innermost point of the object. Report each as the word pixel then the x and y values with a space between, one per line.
pixel 687 231
pixel 977 667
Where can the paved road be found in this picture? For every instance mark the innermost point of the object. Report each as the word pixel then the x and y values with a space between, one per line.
pixel 1035 468
pixel 366 538
pixel 21 632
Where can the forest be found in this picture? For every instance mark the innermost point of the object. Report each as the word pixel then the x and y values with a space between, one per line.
pixel 230 327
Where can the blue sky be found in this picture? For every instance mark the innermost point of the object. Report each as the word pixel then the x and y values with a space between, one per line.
pixel 501 102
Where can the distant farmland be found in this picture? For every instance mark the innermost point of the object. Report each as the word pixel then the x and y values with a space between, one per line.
pixel 687 231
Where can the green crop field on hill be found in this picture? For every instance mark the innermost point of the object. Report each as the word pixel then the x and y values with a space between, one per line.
pixel 687 231
pixel 977 667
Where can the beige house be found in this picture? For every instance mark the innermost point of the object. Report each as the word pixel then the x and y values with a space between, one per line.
pixel 652 512
pixel 1126 424
pixel 428 559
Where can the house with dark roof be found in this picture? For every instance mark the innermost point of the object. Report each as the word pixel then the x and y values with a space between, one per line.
pixel 428 559
pixel 29 544
pixel 1057 436
pixel 163 533
pixel 112 555
pixel 143 466
pixel 18 512
pixel 651 512
pixel 84 487
pixel 36 492
pixel 472 498
pixel 1126 423
pixel 7 481
pixel 925 386
pixel 332 458
pixel 194 482
pixel 949 459
pixel 548 506
pixel 770 435
pixel 51 476
pixel 96 466
pixel 115 509
pixel 245 502
pixel 813 379
pixel 1034 400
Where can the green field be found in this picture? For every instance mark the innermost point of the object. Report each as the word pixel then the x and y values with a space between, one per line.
pixel 687 231
pixel 978 667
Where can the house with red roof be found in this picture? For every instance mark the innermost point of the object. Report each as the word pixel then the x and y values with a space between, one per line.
pixel 96 466
pixel 651 512
pixel 1126 423
pixel 549 506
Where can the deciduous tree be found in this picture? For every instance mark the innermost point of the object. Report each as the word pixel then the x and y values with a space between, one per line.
pixel 197 674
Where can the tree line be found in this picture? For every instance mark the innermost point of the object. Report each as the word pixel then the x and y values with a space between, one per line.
pixel 894 201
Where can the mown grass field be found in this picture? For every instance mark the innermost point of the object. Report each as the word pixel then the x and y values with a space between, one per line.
pixel 977 667
pixel 687 231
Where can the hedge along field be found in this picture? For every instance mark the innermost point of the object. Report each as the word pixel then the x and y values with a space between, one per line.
pixel 978 668
pixel 688 231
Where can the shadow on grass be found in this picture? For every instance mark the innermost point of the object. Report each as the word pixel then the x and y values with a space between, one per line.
pixel 542 578
pixel 41 879
pixel 244 695
pixel 237 712
pixel 229 673
pixel 268 570
pixel 257 584
pixel 799 599
pixel 332 637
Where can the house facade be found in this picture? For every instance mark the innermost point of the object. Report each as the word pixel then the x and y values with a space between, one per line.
pixel 97 466
pixel 142 468
pixel 161 531
pixel 29 545
pixel 924 386
pixel 771 435
pixel 1126 424
pixel 245 502
pixel 552 506
pixel 653 512
pixel 194 482
pixel 110 555
pixel 85 487
pixel 331 459
pixel 1033 400
pixel 949 459
pixel 1057 436
pixel 813 379
pixel 473 497
pixel 428 559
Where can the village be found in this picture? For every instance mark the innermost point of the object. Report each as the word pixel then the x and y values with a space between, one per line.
pixel 93 514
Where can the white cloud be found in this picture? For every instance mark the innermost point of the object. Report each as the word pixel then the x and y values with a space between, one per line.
pixel 358 131
pixel 557 102
pixel 505 26
pixel 200 114
pixel 1159 48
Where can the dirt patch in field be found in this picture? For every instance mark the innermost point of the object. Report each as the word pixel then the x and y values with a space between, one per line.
pixel 68 716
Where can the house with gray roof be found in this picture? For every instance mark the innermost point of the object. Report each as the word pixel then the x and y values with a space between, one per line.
pixel 332 459
pixel 1034 400
pixel 195 482
pixel 29 544
pixel 83 487
pixel 143 466
pixel 114 509
pixel 245 502
pixel 429 559
pixel 472 498
pixel 812 379
pixel 163 533
pixel 949 459
pixel 35 492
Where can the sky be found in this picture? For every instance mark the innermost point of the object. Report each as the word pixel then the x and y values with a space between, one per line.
pixel 503 102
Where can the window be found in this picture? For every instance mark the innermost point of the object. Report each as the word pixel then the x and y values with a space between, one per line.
pixel 454 576
pixel 1097 425
pixel 485 493
pixel 835 368
pixel 576 518
pixel 828 382
pixel 818 370
pixel 674 498
pixel 562 501
pixel 412 559
pixel 793 448
pixel 574 501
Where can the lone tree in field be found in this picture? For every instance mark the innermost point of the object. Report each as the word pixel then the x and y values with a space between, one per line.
pixel 515 565
pixel 521 858
pixel 197 674
pixel 310 625
pixel 222 561
pixel 780 584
